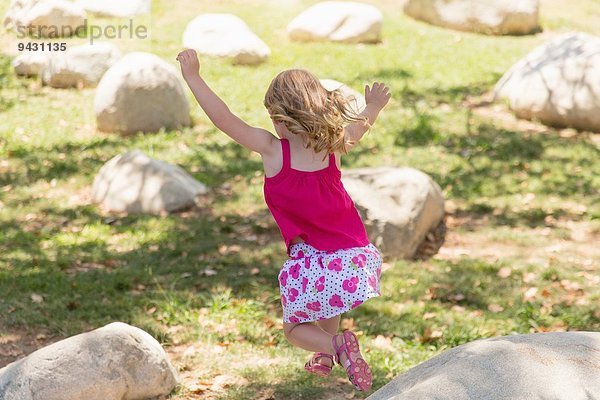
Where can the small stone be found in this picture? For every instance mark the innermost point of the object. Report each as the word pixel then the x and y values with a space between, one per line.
pixel 225 36
pixel 506 17
pixel 337 21
pixel 135 183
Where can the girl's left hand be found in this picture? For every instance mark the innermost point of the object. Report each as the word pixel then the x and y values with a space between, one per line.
pixel 378 95
pixel 190 65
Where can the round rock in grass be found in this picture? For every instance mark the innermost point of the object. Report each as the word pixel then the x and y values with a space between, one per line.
pixel 356 101
pixel 337 21
pixel 492 17
pixel 555 365
pixel 557 83
pixel 400 207
pixel 135 183
pixel 225 36
pixel 45 18
pixel 31 63
pixel 116 8
pixel 80 65
pixel 115 362
pixel 141 93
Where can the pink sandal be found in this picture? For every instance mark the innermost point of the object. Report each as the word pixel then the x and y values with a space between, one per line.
pixel 314 367
pixel 355 365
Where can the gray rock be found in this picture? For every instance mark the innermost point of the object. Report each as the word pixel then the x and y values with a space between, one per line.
pixel 116 8
pixel 141 93
pixel 31 63
pixel 557 83
pixel 356 101
pixel 45 18
pixel 399 206
pixel 81 65
pixel 556 365
pixel 495 17
pixel 225 36
pixel 337 21
pixel 115 362
pixel 135 183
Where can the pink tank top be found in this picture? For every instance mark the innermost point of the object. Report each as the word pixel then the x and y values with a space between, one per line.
pixel 313 205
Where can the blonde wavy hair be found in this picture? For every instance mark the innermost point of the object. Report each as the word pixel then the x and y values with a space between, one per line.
pixel 298 99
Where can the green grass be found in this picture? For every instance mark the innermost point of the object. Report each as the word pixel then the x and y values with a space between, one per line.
pixel 508 183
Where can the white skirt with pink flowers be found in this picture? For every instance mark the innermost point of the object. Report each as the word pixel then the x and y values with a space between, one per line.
pixel 316 284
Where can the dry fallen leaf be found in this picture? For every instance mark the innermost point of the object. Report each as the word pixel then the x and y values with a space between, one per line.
pixel 530 293
pixel 430 335
pixel 569 285
pixel 383 343
pixel 208 272
pixel 348 323
pixel 495 308
pixel 36 298
pixel 197 388
pixel 504 272
pixel 429 315
pixel 529 277
pixel 456 297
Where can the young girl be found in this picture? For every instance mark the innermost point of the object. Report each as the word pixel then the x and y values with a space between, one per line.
pixel 332 267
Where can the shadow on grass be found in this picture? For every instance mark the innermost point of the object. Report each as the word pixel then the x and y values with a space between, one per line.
pixel 408 92
pixel 87 281
pixel 493 162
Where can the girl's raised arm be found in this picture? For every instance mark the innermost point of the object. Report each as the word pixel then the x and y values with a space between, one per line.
pixel 376 98
pixel 256 139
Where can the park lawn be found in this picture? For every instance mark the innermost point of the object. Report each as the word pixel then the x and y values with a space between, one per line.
pixel 523 203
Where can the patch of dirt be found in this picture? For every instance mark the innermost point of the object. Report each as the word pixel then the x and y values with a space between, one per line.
pixel 18 343
pixel 475 243
pixel 496 111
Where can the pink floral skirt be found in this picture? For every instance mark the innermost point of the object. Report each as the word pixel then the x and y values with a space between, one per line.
pixel 316 284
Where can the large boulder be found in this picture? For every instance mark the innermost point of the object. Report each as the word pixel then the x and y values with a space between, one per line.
pixel 141 93
pixel 356 101
pixel 226 36
pixel 45 18
pixel 116 8
pixel 557 83
pixel 135 183
pixel 493 17
pixel 399 206
pixel 81 65
pixel 115 362
pixel 31 63
pixel 556 365
pixel 337 21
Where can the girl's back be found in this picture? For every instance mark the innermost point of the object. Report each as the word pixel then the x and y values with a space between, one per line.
pixel 313 205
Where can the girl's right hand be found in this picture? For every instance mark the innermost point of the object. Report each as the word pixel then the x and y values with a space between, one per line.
pixel 378 95
pixel 190 65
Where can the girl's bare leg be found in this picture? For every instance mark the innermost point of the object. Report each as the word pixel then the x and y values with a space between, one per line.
pixel 331 325
pixel 313 336
pixel 309 336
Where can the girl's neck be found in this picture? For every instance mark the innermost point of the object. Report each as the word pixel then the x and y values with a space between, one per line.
pixel 295 140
